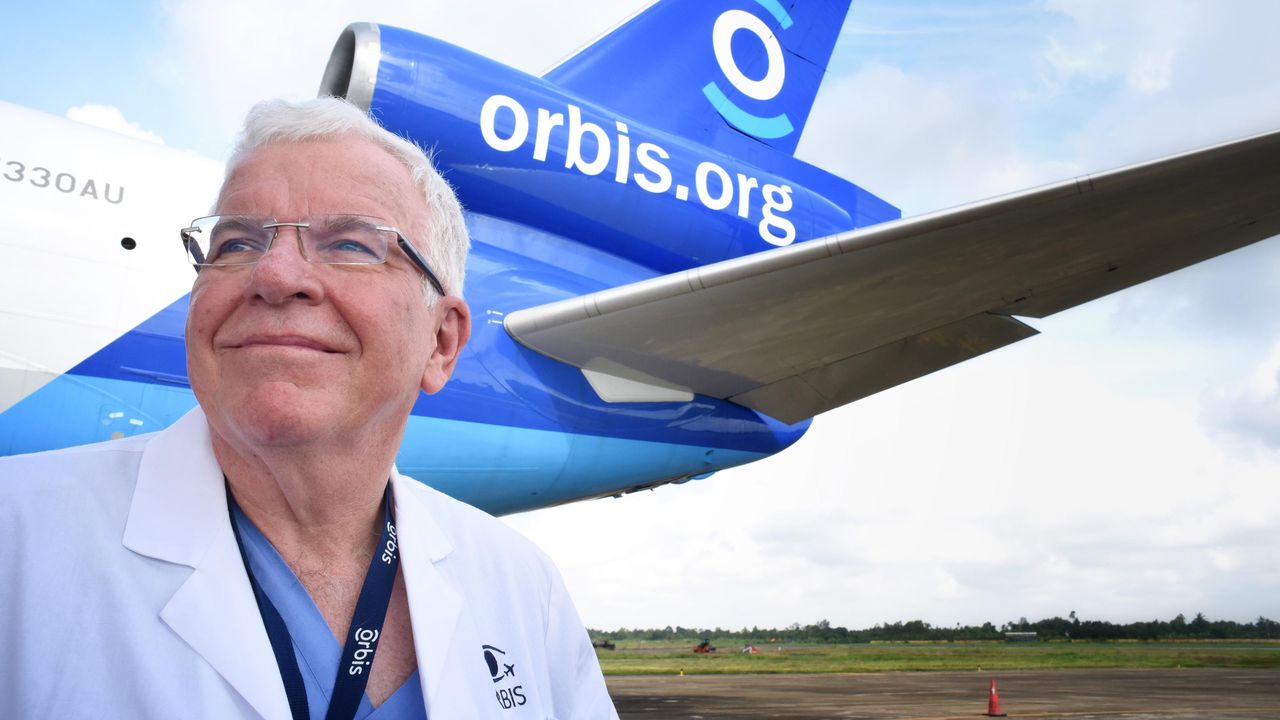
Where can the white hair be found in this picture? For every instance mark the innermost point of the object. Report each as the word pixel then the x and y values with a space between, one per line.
pixel 280 121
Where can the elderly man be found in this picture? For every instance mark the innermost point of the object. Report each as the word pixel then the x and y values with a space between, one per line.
pixel 262 557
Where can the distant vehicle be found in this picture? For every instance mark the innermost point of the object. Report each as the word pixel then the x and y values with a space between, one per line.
pixel 604 645
pixel 704 647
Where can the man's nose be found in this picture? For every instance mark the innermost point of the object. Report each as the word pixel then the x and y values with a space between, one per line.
pixel 282 273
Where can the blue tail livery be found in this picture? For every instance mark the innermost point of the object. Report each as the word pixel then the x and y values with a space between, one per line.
pixel 757 77
pixel 662 290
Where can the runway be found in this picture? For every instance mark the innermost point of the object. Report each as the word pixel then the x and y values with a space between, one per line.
pixel 1077 694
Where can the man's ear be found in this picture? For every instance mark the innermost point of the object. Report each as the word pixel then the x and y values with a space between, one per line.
pixel 451 335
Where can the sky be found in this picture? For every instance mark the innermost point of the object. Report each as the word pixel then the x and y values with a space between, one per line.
pixel 1124 464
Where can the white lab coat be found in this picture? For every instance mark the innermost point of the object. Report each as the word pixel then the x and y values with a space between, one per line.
pixel 123 595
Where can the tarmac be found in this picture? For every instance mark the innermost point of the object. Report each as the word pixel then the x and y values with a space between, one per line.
pixel 1077 694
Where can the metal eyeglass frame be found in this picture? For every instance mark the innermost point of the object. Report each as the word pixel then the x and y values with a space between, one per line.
pixel 405 246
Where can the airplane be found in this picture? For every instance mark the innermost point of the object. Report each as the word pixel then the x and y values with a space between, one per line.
pixel 662 290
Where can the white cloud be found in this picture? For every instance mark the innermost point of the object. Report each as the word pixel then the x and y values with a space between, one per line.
pixel 221 57
pixel 1194 74
pixel 923 142
pixel 1250 411
pixel 111 118
pixel 1138 41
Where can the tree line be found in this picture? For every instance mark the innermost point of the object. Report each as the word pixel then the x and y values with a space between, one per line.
pixel 1054 628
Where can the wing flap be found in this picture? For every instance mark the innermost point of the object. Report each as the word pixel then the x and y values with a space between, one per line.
pixel 806 394
pixel 809 327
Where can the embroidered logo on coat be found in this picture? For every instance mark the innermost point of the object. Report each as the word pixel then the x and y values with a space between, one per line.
pixel 500 670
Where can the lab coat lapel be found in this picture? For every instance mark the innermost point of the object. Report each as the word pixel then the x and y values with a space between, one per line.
pixel 179 515
pixel 449 656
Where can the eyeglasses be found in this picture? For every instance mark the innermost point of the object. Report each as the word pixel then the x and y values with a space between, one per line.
pixel 234 240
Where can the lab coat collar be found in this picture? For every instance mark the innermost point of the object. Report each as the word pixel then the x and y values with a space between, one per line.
pixel 441 642
pixel 179 515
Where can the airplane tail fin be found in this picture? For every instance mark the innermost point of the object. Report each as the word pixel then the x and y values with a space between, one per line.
pixel 713 70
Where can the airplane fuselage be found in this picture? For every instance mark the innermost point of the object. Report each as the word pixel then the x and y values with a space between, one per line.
pixel 564 197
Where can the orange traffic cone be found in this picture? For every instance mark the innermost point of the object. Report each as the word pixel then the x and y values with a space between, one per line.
pixel 993 702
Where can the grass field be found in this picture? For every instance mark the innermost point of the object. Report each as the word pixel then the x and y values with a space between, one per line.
pixel 639 658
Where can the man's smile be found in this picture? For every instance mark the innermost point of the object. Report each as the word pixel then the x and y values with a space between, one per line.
pixel 284 342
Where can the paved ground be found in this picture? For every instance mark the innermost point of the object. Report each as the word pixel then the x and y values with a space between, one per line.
pixel 1078 694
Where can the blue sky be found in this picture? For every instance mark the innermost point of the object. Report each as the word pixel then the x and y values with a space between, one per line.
pixel 1125 464
pixel 60 55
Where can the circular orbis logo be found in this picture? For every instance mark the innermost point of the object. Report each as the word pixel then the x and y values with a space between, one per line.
pixel 729 24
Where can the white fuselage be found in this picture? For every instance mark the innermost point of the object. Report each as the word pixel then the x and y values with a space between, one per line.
pixel 89 240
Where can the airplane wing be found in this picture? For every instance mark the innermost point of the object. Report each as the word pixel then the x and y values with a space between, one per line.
pixel 802 329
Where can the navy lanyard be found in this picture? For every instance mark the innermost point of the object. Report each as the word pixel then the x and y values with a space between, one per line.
pixel 362 636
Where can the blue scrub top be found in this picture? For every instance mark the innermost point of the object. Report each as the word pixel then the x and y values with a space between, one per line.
pixel 317 650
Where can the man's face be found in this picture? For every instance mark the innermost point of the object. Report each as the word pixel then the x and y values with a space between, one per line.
pixel 287 352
